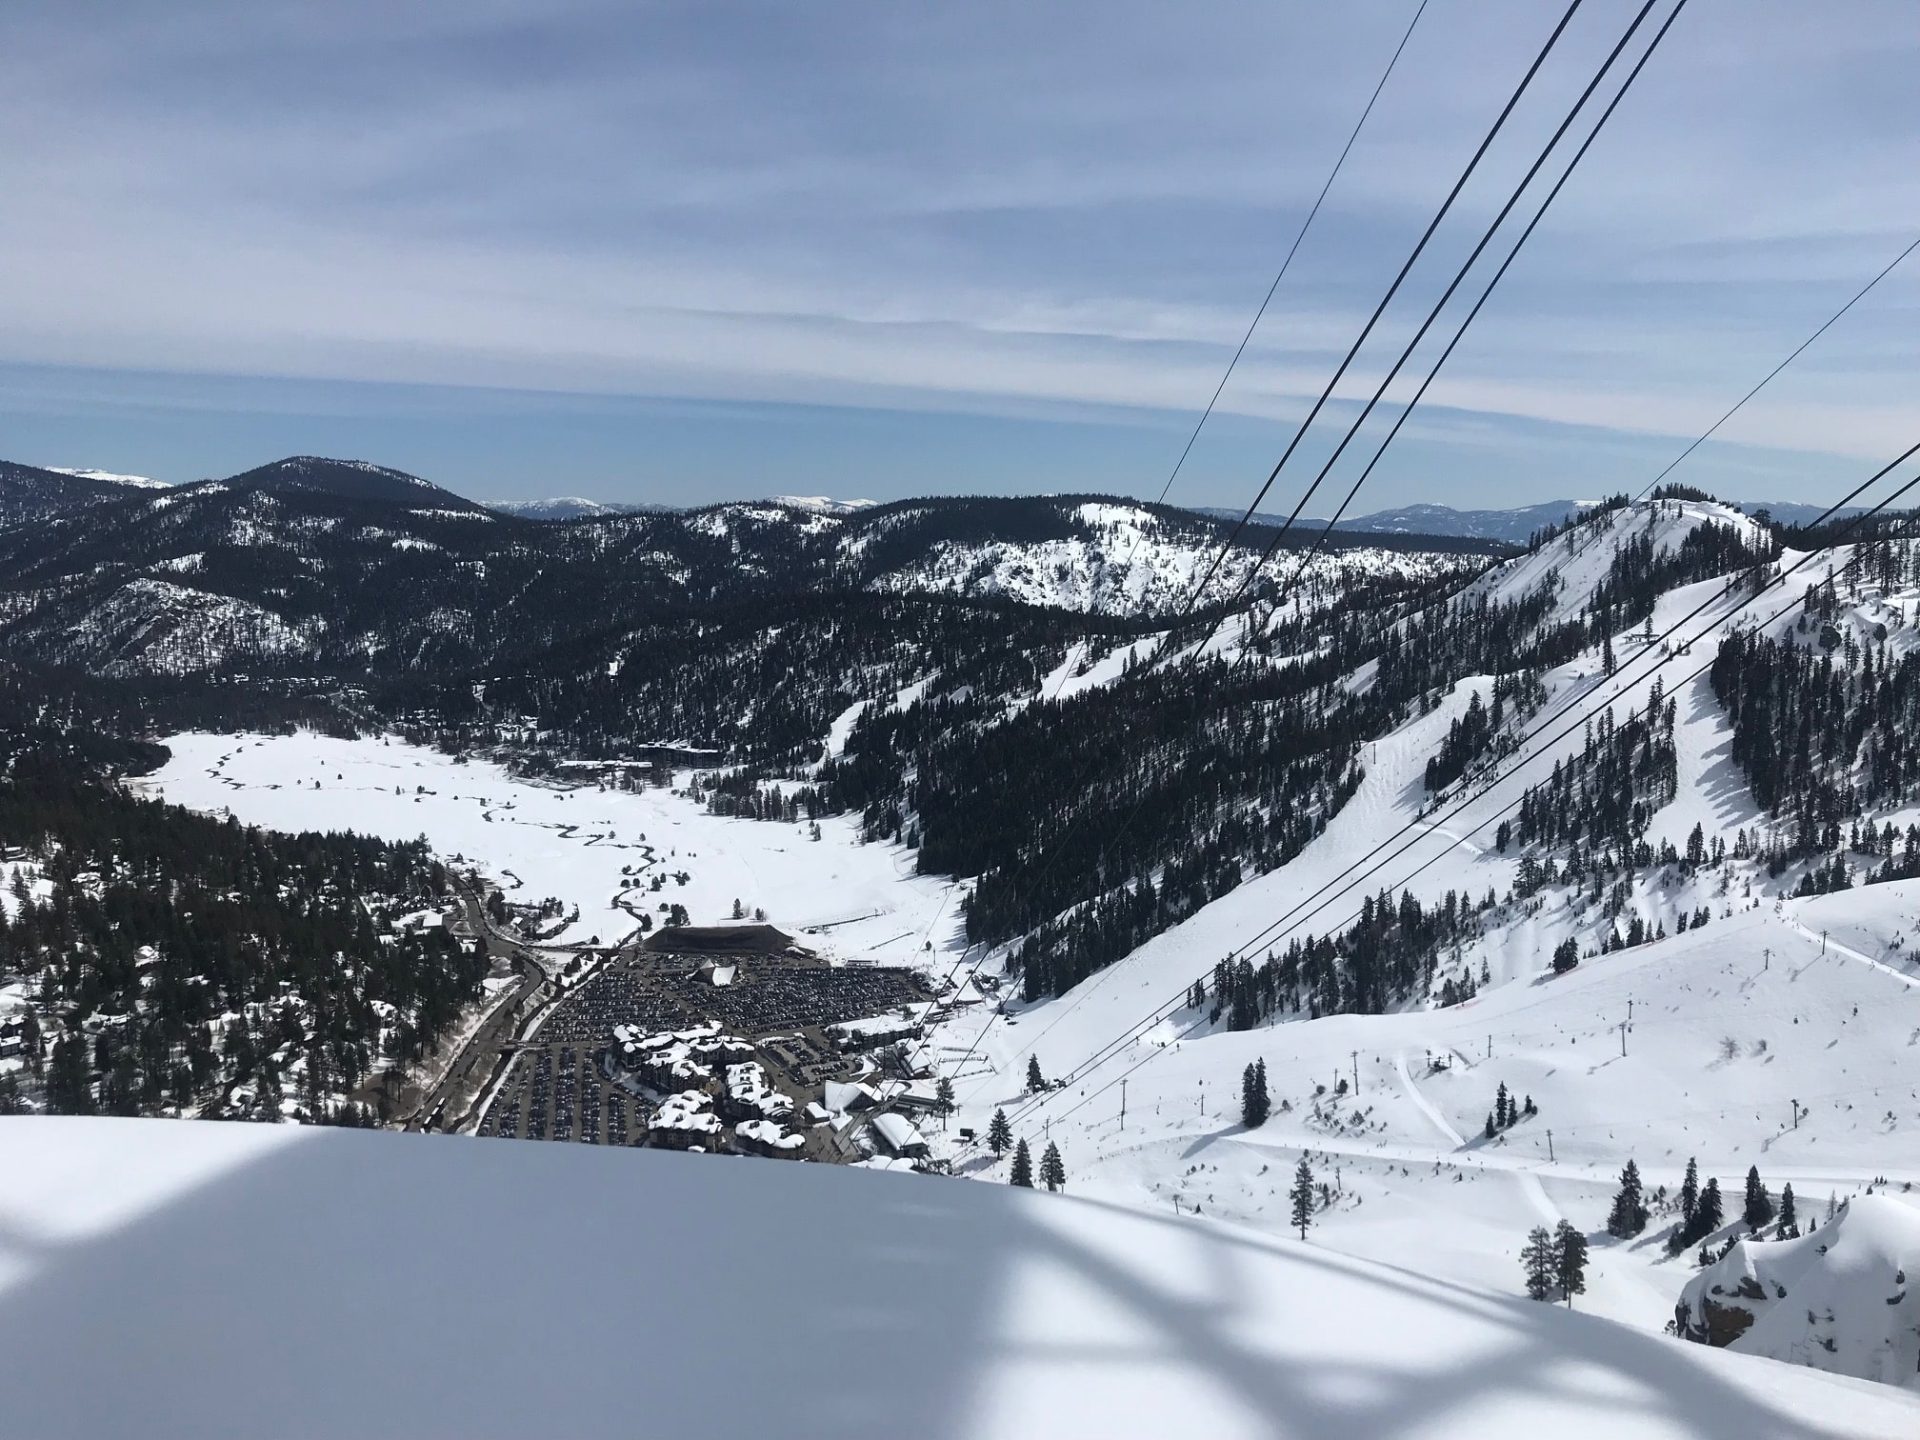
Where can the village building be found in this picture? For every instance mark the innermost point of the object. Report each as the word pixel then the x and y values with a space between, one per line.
pixel 685 1122
pixel 750 1096
pixel 898 1137
pixel 768 1138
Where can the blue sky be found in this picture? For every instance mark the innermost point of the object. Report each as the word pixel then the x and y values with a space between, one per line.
pixel 685 252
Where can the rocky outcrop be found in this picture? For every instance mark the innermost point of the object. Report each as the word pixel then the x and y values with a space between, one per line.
pixel 1835 1300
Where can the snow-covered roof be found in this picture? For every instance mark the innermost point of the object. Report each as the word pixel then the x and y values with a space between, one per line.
pixel 690 1111
pixel 897 1132
pixel 770 1134
pixel 842 1095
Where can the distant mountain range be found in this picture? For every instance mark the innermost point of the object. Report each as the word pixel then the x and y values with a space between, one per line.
pixel 1512 527
pixel 27 490
pixel 579 507
pixel 137 482
pixel 319 562
pixel 574 507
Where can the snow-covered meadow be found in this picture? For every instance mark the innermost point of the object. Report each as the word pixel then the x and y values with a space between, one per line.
pixel 582 844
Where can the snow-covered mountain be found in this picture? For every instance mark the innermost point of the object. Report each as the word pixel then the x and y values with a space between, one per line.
pixel 1510 527
pixel 573 507
pixel 357 564
pixel 137 482
pixel 30 493
pixel 978 1312
pixel 822 504
pixel 579 507
pixel 1513 527
pixel 347 479
pixel 1112 558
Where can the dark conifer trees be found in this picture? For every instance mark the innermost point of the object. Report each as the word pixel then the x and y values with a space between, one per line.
pixel 1022 1167
pixel 1707 1215
pixel 999 1133
pixel 1053 1170
pixel 1758 1209
pixel 1301 1196
pixel 1629 1214
pixel 1035 1081
pixel 1570 1260
pixel 1540 1261
pixel 1255 1103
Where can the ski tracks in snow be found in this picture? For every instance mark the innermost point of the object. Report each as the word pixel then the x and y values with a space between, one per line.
pixel 1828 942
pixel 1529 1183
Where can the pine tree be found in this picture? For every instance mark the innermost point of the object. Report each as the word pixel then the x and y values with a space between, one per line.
pixel 1053 1170
pixel 1788 1220
pixel 1759 1206
pixel 1255 1103
pixel 1035 1082
pixel 1570 1257
pixel 999 1133
pixel 1629 1214
pixel 1690 1191
pixel 1489 1130
pixel 1302 1197
pixel 1707 1215
pixel 943 1098
pixel 1502 1107
pixel 69 1082
pixel 1022 1167
pixel 1541 1261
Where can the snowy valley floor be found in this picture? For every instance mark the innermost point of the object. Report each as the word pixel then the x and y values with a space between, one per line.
pixel 538 840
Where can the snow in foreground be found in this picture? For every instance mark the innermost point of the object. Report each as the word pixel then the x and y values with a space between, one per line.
pixel 198 1279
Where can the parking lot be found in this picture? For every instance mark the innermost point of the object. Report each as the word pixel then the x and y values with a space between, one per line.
pixel 557 1089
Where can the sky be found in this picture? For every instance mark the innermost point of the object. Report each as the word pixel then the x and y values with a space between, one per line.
pixel 680 253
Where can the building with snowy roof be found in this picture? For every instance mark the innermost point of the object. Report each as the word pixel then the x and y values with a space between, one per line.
pixel 767 1137
pixel 685 1122
pixel 750 1096
pixel 897 1135
pixel 874 1030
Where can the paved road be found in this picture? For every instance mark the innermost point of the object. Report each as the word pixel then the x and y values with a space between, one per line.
pixel 468 1074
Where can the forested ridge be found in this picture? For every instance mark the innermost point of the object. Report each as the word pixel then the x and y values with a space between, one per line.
pixel 175 963
pixel 1089 815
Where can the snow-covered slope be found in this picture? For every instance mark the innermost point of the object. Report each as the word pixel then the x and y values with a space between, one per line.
pixel 1777 1034
pixel 821 504
pixel 1838 1299
pixel 135 482
pixel 1118 558
pixel 203 1280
